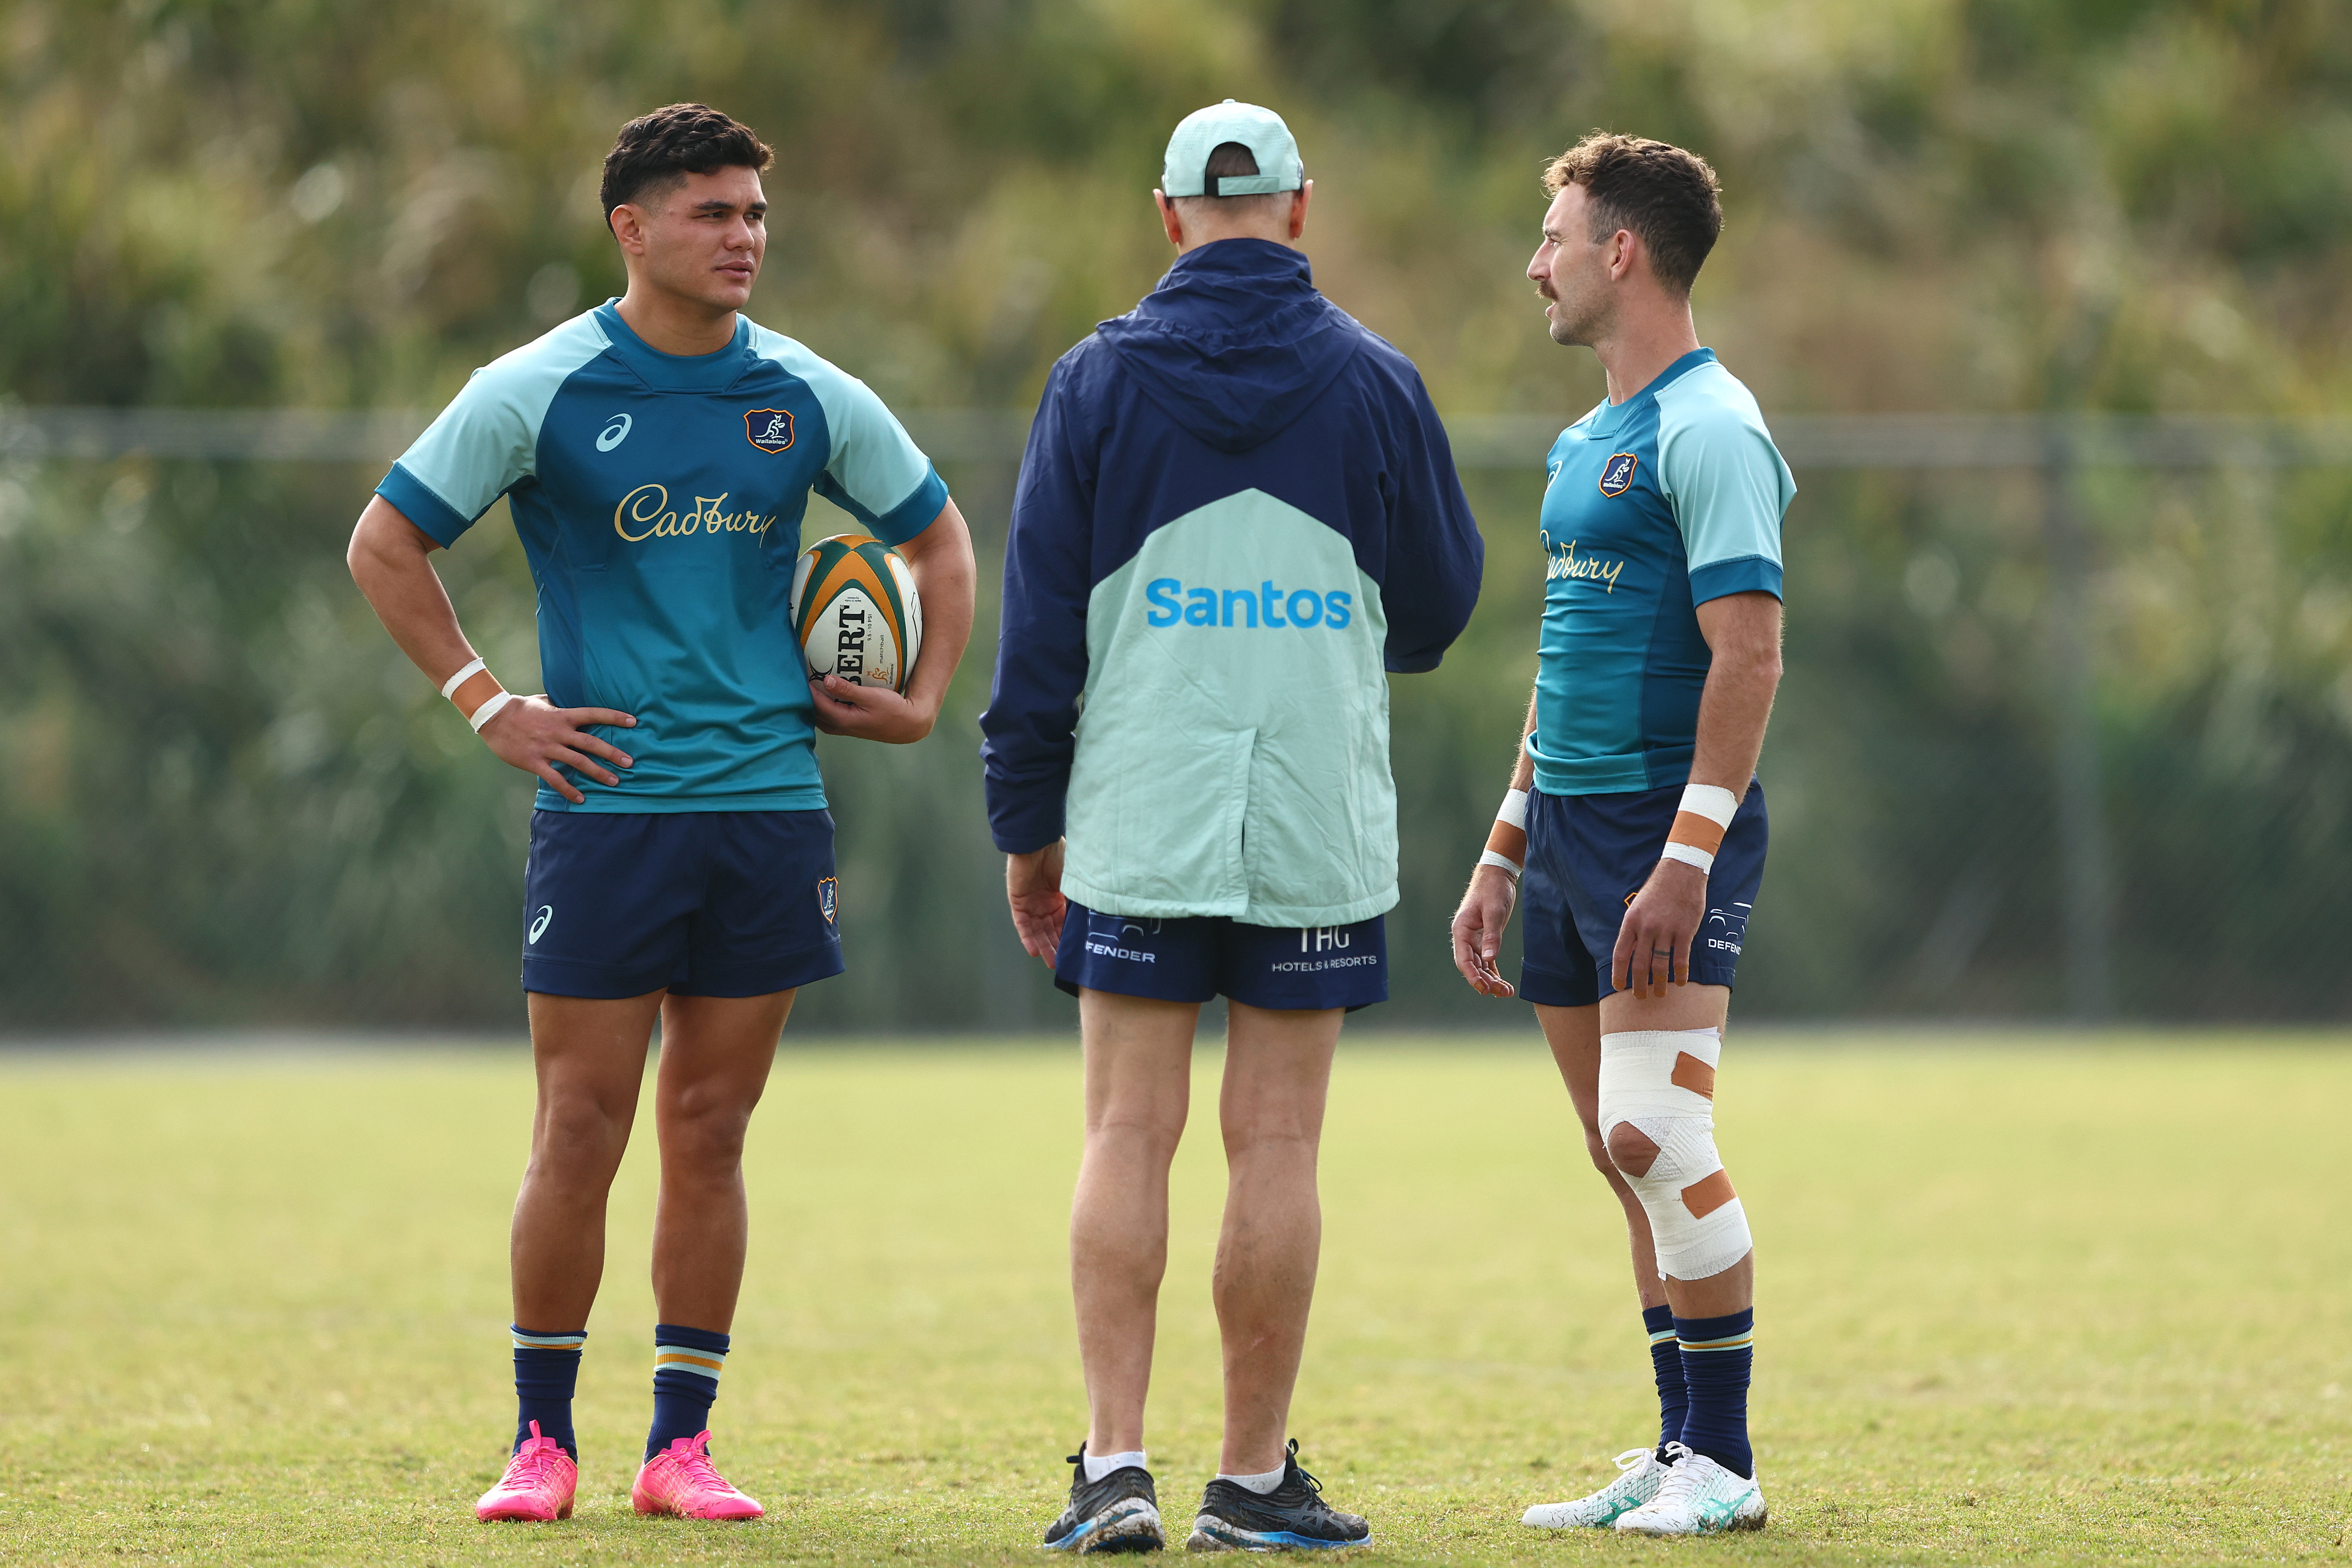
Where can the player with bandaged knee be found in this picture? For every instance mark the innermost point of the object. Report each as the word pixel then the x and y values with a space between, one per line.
pixel 1634 830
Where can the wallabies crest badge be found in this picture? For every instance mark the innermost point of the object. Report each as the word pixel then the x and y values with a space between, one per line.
pixel 769 429
pixel 1617 477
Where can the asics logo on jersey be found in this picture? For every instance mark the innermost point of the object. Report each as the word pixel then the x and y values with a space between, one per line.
pixel 1266 605
pixel 615 433
pixel 769 429
pixel 1563 561
pixel 646 513
pixel 1617 476
pixel 538 926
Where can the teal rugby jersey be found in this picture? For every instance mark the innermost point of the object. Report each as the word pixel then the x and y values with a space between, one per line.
pixel 1652 506
pixel 659 499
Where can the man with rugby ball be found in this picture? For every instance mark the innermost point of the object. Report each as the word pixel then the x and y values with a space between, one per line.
pixel 657 453
pixel 1236 509
pixel 1634 814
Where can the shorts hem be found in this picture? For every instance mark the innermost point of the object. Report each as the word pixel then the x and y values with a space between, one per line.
pixel 1698 977
pixel 1548 988
pixel 1071 987
pixel 1348 1001
pixel 766 980
pixel 600 982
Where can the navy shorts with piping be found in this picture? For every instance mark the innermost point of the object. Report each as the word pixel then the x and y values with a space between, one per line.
pixel 1588 855
pixel 1192 958
pixel 699 904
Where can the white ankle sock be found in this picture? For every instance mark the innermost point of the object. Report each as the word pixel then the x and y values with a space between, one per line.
pixel 1263 1485
pixel 1097 1469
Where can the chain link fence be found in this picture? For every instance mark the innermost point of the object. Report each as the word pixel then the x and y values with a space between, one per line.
pixel 2066 730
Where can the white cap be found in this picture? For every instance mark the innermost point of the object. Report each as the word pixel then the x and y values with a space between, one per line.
pixel 1184 172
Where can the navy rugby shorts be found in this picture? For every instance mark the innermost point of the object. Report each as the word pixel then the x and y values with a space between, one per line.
pixel 700 903
pixel 1195 957
pixel 1588 855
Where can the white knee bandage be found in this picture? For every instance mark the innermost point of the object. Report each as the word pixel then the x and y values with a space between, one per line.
pixel 1662 1083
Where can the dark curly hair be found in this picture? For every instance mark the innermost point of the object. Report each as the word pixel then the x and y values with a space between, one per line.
pixel 1668 196
pixel 660 149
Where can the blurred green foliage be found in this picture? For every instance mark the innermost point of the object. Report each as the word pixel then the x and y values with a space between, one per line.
pixel 223 795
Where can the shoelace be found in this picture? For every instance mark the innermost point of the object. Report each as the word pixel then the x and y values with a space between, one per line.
pixel 1681 1481
pixel 696 1463
pixel 529 1466
pixel 1313 1485
pixel 1631 1458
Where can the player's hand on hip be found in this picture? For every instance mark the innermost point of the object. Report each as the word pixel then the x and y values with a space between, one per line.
pixel 867 713
pixel 1654 943
pixel 1033 886
pixel 535 735
pixel 1478 929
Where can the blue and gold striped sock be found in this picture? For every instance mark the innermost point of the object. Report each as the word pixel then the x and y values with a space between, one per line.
pixel 1718 1353
pixel 687 1365
pixel 547 1370
pixel 1666 1367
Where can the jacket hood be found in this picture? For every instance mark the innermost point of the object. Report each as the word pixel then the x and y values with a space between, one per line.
pixel 1235 344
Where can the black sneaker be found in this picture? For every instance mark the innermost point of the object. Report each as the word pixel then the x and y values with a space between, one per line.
pixel 1235 1519
pixel 1119 1513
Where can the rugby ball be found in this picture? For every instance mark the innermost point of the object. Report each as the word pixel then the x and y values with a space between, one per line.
pixel 855 611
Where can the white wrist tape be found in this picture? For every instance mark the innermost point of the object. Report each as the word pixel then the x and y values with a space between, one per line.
pixel 490 710
pixel 1715 803
pixel 449 687
pixel 1515 808
pixel 1491 858
pixel 1706 812
pixel 1687 855
pixel 1660 1085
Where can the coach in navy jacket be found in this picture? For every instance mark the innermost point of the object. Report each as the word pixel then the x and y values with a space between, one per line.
pixel 1238 514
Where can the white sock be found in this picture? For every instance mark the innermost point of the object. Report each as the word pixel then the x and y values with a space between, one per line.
pixel 1097 1469
pixel 1263 1485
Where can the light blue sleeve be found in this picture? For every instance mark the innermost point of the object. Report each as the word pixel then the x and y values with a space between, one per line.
pixel 486 441
pixel 873 470
pixel 1726 481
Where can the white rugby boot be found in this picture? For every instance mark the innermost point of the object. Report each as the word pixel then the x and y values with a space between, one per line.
pixel 1697 1497
pixel 1639 1477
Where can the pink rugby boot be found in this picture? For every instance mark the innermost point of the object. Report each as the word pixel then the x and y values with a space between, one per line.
pixel 539 1484
pixel 682 1481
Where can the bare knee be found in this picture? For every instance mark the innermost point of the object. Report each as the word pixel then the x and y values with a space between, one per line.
pixel 581 1137
pixel 1148 1132
pixel 705 1134
pixel 1267 1129
pixel 1630 1150
pixel 1596 1149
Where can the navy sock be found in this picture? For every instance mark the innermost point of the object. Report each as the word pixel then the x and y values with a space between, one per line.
pixel 687 1365
pixel 547 1369
pixel 1718 1355
pixel 1666 1366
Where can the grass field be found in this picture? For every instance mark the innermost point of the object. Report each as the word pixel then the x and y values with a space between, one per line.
pixel 2024 1299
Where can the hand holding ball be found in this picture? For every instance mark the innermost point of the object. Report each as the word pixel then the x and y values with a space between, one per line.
pixel 856 612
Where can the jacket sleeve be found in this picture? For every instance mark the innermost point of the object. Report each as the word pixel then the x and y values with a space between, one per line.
pixel 1029 732
pixel 1435 558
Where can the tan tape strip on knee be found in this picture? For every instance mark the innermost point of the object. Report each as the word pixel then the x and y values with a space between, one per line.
pixel 1708 1194
pixel 1643 1073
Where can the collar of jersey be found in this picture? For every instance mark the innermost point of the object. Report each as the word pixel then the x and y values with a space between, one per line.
pixel 678 372
pixel 1609 416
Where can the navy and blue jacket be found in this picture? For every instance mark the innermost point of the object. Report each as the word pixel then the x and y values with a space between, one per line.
pixel 1236 510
